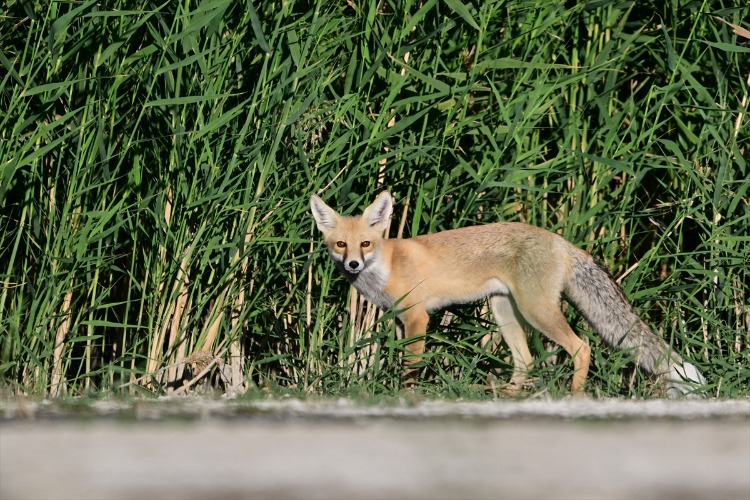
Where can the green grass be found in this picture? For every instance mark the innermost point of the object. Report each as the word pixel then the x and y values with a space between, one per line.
pixel 156 162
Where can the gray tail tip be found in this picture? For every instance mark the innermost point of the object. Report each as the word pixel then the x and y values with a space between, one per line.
pixel 685 380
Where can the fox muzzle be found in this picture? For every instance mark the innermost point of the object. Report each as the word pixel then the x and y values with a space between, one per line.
pixel 353 265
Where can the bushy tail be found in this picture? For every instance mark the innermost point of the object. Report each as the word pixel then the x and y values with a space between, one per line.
pixel 605 307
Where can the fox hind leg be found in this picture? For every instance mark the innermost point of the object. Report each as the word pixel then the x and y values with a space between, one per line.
pixel 549 319
pixel 512 331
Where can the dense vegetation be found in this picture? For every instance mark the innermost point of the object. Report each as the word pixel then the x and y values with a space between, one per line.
pixel 157 160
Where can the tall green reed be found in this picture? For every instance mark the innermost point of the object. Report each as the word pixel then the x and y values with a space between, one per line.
pixel 157 162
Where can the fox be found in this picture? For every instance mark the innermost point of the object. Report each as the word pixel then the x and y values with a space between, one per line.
pixel 524 272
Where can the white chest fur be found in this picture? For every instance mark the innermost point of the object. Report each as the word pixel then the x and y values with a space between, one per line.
pixel 371 282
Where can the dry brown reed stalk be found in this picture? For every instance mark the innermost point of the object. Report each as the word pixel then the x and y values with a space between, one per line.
pixel 162 322
pixel 176 342
pixel 57 385
pixel 214 321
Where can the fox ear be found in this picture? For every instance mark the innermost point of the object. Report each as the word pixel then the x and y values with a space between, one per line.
pixel 325 217
pixel 379 213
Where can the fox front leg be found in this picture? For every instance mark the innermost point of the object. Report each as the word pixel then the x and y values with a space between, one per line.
pixel 415 325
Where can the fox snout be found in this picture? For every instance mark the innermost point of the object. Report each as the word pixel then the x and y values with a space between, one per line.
pixel 353 266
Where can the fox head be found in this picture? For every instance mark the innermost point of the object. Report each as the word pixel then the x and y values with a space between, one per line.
pixel 353 242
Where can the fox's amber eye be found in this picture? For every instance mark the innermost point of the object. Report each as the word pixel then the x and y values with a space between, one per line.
pixel 341 244
pixel 365 244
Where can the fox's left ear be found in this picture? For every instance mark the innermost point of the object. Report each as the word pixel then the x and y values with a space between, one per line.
pixel 325 217
pixel 379 213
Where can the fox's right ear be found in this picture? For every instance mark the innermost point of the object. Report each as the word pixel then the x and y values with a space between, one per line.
pixel 325 217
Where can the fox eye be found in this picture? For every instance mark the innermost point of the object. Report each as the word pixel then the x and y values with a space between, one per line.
pixel 341 244
pixel 365 244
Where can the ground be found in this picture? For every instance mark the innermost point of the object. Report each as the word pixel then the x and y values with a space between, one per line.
pixel 201 448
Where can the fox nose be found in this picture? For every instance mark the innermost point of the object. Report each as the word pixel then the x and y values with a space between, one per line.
pixel 354 264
